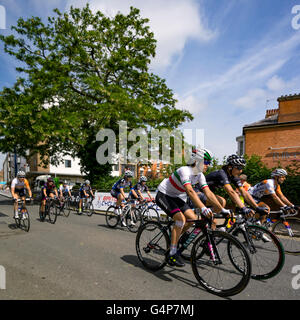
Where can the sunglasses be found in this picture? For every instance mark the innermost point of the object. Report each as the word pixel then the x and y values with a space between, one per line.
pixel 207 162
pixel 239 167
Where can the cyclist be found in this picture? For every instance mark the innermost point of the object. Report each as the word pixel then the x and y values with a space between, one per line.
pixel 85 191
pixel 169 199
pixel 245 185
pixel 64 192
pixel 271 188
pixel 18 186
pixel 117 190
pixel 139 188
pixel 48 190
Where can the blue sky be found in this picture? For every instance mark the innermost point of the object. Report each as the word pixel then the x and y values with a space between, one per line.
pixel 226 61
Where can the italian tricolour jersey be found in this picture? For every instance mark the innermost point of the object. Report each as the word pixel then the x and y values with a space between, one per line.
pixel 174 185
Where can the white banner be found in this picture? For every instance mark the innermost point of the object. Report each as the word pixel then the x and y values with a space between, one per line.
pixel 104 199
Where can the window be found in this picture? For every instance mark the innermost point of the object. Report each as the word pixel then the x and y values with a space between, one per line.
pixel 68 163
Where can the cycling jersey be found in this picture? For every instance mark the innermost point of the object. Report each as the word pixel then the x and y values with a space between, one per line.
pixel 218 179
pixel 139 187
pixel 64 190
pixel 265 188
pixel 19 185
pixel 122 183
pixel 49 189
pixel 174 185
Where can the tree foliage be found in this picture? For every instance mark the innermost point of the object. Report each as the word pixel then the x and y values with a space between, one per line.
pixel 80 72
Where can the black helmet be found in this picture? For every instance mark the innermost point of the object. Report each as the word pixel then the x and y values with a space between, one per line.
pixel 235 160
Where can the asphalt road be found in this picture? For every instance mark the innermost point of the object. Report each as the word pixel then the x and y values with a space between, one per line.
pixel 79 257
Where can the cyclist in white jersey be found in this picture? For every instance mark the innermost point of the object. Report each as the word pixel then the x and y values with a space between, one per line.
pixel 271 188
pixel 168 199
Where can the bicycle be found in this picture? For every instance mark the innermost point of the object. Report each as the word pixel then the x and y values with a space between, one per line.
pixel 51 209
pixel 265 250
pixel 214 255
pixel 65 206
pixel 87 206
pixel 23 220
pixel 287 228
pixel 125 216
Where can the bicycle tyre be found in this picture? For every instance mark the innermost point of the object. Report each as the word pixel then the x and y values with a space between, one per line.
pixel 25 223
pixel 67 208
pixel 200 253
pixel 262 259
pixel 112 218
pixel 152 255
pixel 90 209
pixel 290 244
pixel 52 213
pixel 150 214
pixel 134 217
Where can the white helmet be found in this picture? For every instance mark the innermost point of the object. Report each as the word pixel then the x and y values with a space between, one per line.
pixel 21 174
pixel 199 156
pixel 278 172
pixel 87 182
pixel 143 178
pixel 128 173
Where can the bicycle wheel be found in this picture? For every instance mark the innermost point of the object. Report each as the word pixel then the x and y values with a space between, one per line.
pixel 150 214
pixel 52 213
pixel 67 208
pixel 265 250
pixel 25 220
pixel 220 277
pixel 90 208
pixel 288 232
pixel 112 218
pixel 133 220
pixel 152 245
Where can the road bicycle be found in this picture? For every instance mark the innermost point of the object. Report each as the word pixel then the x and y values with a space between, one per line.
pixel 265 249
pixel 214 255
pixel 51 210
pixel 65 206
pixel 286 227
pixel 127 216
pixel 86 206
pixel 23 220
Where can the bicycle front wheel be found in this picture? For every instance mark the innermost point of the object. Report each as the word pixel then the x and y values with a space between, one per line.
pixel 90 209
pixel 150 214
pixel 67 208
pixel 112 217
pixel 288 232
pixel 213 267
pixel 152 245
pixel 265 250
pixel 25 221
pixel 52 213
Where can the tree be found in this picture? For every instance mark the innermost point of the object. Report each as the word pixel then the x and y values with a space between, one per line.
pixel 79 73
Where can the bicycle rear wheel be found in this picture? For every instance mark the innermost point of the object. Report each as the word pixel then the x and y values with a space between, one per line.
pixel 220 277
pixel 133 220
pixel 112 217
pixel 152 245
pixel 52 213
pixel 265 251
pixel 288 232
pixel 25 221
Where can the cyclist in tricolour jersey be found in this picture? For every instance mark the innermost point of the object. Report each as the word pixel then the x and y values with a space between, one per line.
pixel 169 200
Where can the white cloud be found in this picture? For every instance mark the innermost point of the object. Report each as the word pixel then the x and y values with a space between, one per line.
pixel 191 103
pixel 253 98
pixel 275 83
pixel 172 21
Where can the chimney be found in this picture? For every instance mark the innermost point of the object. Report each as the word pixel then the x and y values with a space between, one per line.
pixel 271 112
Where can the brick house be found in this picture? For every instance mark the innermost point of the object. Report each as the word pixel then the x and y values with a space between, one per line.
pixel 277 136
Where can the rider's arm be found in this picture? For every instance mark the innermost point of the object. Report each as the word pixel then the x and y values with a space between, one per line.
pixel 212 198
pixel 28 188
pixel 247 196
pixel 193 196
pixel 233 196
pixel 281 199
pixel 122 192
pixel 149 194
pixel 13 192
pixel 134 193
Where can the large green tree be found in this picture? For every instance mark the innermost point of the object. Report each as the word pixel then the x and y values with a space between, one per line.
pixel 80 72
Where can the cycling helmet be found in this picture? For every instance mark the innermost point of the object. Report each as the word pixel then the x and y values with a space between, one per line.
pixel 235 160
pixel 199 155
pixel 143 178
pixel 128 173
pixel 87 182
pixel 21 174
pixel 278 173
